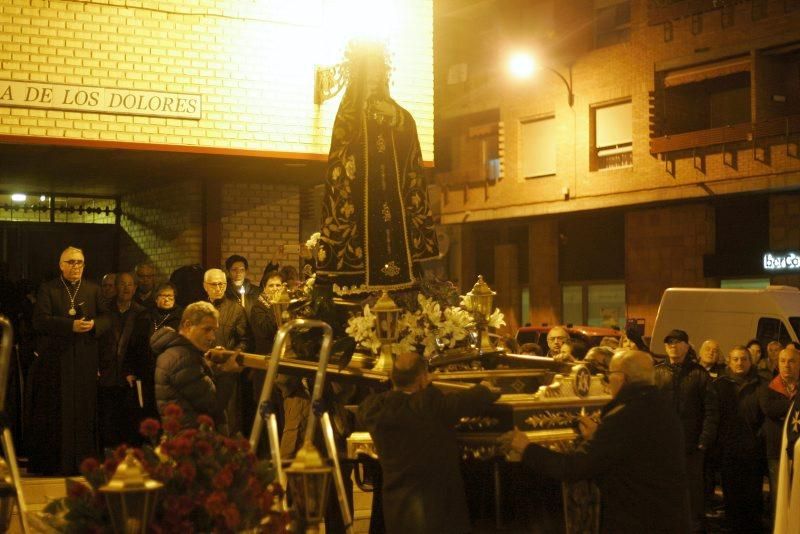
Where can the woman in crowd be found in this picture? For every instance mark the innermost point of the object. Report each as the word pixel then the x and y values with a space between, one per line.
pixel 141 361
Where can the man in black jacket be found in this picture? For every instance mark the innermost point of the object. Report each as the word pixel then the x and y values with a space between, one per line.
pixel 116 394
pixel 233 334
pixel 687 386
pixel 413 428
pixel 635 454
pixel 182 374
pixel 739 441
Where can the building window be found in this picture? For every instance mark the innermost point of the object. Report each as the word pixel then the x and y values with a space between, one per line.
pixel 594 304
pixel 706 96
pixel 468 149
pixel 612 22
pixel 538 147
pixel 612 137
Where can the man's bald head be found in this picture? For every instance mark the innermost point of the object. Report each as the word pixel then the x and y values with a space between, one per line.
pixel 408 370
pixel 635 365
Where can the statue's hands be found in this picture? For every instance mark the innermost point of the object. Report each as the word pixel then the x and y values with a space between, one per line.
pixel 382 108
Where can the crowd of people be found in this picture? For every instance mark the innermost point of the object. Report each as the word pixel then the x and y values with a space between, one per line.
pixel 89 354
pixel 104 357
pixel 732 411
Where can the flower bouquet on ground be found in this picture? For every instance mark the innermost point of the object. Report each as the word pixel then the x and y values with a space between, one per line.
pixel 212 483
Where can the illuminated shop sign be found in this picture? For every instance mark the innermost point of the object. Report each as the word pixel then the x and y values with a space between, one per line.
pixel 782 261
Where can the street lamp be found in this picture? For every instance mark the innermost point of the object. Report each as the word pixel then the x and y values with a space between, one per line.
pixel 522 65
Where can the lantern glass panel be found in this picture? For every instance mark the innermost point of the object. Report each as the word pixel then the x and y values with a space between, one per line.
pixel 309 490
pixel 131 511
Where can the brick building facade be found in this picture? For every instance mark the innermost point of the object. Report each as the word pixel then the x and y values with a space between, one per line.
pixel 197 118
pixel 711 101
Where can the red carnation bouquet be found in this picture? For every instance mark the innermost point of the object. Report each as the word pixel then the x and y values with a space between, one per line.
pixel 212 483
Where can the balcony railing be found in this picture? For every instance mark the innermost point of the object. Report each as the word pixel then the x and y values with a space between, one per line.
pixel 736 133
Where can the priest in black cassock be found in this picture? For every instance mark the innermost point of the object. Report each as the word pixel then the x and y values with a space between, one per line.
pixel 377 225
pixel 68 317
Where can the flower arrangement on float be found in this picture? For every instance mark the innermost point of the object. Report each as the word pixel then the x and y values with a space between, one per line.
pixel 432 326
pixel 209 483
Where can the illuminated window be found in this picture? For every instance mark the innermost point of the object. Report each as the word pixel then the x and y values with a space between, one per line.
pixel 538 147
pixel 612 136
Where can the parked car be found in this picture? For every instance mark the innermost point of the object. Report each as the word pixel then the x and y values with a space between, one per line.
pixel 590 336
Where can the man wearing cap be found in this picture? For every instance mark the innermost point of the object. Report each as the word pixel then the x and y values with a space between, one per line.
pixel 686 385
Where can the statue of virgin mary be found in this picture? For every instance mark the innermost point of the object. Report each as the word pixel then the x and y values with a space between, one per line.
pixel 376 220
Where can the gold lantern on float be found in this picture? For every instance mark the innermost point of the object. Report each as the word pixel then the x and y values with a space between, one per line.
pixel 308 478
pixel 131 497
pixel 481 300
pixel 387 320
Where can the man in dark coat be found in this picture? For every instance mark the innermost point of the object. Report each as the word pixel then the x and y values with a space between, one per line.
pixel 774 400
pixel 739 442
pixel 239 287
pixel 413 428
pixel 69 317
pixel 182 374
pixel 635 454
pixel 116 394
pixel 145 282
pixel 233 334
pixel 687 386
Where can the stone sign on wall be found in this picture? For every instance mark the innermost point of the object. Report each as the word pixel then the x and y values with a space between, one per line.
pixel 99 99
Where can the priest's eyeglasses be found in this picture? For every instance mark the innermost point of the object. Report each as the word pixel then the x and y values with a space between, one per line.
pixel 74 263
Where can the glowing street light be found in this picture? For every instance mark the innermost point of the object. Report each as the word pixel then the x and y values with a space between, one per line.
pixel 19 197
pixel 524 65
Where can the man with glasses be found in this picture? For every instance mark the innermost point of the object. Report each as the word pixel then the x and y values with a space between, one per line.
pixel 634 454
pixel 69 316
pixel 555 338
pixel 687 386
pixel 233 334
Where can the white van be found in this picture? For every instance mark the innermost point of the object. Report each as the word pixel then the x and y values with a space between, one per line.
pixel 731 316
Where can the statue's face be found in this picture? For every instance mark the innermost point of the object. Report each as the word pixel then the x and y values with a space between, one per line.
pixel 377 78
